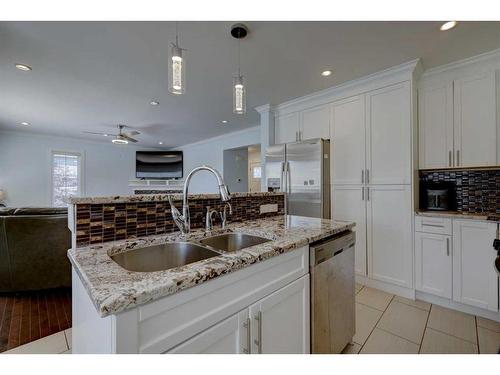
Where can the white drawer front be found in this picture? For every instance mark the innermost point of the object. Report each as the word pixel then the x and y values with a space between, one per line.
pixel 436 225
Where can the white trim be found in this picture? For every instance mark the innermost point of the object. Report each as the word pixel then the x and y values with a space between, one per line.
pixel 386 77
pixel 491 55
pixel 81 171
pixel 253 128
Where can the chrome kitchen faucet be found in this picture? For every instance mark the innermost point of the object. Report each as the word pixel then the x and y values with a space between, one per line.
pixel 183 221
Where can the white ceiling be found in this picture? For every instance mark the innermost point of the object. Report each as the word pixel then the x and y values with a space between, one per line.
pixel 93 75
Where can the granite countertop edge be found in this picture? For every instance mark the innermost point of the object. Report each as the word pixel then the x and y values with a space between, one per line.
pixel 460 215
pixel 159 197
pixel 113 289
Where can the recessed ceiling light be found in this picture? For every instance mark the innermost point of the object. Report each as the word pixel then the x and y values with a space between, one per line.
pixel 154 102
pixel 23 67
pixel 160 143
pixel 119 141
pixel 25 123
pixel 106 135
pixel 326 73
pixel 224 121
pixel 448 25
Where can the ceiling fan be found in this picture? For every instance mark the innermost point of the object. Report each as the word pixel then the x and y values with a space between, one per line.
pixel 122 138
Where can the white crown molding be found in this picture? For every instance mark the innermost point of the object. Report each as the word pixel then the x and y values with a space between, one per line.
pixel 264 108
pixel 483 57
pixel 391 75
pixel 222 136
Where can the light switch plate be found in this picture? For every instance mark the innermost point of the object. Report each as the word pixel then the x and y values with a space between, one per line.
pixel 265 208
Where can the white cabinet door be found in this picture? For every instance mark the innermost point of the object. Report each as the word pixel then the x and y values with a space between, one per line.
pixel 231 336
pixel 475 281
pixel 388 115
pixel 280 321
pixel 287 128
pixel 389 239
pixel 475 120
pixel 348 204
pixel 433 264
pixel 348 141
pixel 436 126
pixel 316 123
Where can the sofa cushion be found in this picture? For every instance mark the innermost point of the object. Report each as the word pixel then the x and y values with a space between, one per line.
pixel 24 211
pixel 6 211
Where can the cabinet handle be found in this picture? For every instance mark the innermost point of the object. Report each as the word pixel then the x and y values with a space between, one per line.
pixel 367 176
pixel 447 246
pixel 449 158
pixel 258 341
pixel 249 340
pixel 362 176
pixel 458 158
pixel 432 225
pixel 362 193
pixel 367 193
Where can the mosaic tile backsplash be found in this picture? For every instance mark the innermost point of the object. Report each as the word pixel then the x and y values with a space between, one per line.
pixel 475 190
pixel 103 222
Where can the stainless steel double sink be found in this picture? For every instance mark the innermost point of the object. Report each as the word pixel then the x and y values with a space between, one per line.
pixel 177 254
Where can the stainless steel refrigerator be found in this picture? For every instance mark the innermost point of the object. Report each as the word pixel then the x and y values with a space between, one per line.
pixel 302 171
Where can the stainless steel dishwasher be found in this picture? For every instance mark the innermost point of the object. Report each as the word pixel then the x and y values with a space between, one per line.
pixel 332 293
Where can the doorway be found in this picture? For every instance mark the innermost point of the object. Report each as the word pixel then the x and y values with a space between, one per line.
pixel 242 168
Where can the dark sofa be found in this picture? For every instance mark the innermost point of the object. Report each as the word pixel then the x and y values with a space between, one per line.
pixel 33 249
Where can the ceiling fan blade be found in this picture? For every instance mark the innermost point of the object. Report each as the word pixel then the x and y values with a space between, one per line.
pixel 125 136
pixel 103 134
pixel 132 133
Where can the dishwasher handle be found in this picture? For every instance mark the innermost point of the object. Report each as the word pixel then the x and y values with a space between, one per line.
pixel 326 250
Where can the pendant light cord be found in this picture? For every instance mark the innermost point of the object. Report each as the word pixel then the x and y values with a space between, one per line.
pixel 177 34
pixel 239 53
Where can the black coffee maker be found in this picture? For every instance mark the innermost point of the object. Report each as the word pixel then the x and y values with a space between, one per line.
pixel 438 196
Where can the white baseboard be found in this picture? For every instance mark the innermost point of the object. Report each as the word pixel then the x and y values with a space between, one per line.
pixel 458 306
pixel 386 287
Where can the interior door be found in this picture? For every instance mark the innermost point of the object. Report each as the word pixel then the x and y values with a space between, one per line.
pixel 275 163
pixel 348 141
pixel 280 321
pixel 231 336
pixel 388 135
pixel 433 264
pixel 475 281
pixel 304 172
pixel 389 238
pixel 348 203
pixel 436 126
pixel 475 120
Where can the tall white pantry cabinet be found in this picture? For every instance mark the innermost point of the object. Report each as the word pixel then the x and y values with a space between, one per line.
pixel 370 123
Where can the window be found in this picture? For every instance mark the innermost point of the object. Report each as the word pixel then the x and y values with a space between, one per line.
pixel 256 172
pixel 66 176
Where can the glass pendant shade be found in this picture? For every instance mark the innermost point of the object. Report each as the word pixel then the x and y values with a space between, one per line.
pixel 239 95
pixel 177 71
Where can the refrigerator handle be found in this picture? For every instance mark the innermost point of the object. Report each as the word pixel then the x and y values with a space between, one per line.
pixel 282 176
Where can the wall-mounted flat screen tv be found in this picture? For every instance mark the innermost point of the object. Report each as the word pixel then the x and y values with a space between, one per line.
pixel 162 165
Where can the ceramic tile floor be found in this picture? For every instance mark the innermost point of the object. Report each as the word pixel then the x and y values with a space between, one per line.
pixel 388 324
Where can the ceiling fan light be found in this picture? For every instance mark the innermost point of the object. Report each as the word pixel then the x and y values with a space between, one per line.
pixel 119 141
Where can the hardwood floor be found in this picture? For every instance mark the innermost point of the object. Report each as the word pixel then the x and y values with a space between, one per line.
pixel 29 316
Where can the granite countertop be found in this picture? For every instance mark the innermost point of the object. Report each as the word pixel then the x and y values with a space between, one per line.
pixel 113 289
pixel 159 197
pixel 460 215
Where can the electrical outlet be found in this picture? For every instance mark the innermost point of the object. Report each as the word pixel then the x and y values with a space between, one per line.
pixel 266 208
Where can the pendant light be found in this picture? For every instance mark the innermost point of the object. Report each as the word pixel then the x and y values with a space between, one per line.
pixel 177 67
pixel 239 31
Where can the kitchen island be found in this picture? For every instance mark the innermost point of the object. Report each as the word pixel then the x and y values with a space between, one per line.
pixel 119 311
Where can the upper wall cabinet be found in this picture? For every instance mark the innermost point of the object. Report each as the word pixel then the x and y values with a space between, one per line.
pixel 287 128
pixel 315 123
pixel 474 100
pixel 457 122
pixel 307 124
pixel 436 126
